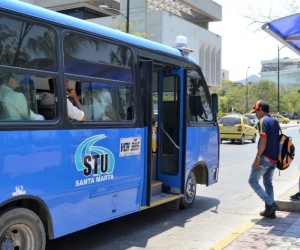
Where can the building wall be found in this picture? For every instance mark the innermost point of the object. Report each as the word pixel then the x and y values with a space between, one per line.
pixel 225 74
pixel 206 7
pixel 289 71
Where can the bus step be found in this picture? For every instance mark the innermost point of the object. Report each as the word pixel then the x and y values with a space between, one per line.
pixel 155 187
pixel 161 199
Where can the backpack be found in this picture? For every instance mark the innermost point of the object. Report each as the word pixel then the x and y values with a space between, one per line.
pixel 286 152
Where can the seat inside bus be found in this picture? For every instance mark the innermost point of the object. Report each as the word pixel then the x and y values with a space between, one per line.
pixel 46 106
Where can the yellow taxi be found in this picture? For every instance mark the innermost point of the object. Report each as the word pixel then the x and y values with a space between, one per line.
pixel 236 128
pixel 281 119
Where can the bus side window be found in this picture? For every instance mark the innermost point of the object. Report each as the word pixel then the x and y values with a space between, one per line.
pixel 4 115
pixel 198 102
pixel 18 98
pixel 47 106
pixel 103 102
pixel 46 98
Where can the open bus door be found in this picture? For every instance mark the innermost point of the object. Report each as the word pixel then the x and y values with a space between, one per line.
pixel 162 101
pixel 171 130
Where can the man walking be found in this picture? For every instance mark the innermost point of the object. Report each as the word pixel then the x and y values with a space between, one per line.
pixel 266 157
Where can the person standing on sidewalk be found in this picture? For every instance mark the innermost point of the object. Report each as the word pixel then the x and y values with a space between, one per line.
pixel 266 157
pixel 296 197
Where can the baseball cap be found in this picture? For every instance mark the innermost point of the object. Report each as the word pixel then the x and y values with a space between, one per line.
pixel 261 104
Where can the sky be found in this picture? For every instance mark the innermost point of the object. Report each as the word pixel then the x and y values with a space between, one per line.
pixel 241 46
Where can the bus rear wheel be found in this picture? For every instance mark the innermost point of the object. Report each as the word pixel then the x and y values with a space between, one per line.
pixel 21 228
pixel 190 191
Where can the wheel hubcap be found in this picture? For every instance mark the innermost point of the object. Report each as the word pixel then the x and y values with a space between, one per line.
pixel 190 191
pixel 17 237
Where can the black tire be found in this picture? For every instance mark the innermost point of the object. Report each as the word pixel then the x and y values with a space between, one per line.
pixel 284 122
pixel 190 191
pixel 254 138
pixel 242 140
pixel 21 228
pixel 232 141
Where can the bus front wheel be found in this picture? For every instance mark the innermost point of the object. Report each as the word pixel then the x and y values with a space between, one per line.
pixel 190 191
pixel 21 228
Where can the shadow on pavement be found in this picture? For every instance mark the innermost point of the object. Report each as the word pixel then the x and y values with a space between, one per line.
pixel 133 230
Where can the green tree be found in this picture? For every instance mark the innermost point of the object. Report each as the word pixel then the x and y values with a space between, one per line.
pixel 119 24
pixel 291 100
pixel 263 90
pixel 231 97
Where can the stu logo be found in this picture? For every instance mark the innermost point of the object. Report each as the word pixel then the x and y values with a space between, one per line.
pixel 99 163
pixel 93 159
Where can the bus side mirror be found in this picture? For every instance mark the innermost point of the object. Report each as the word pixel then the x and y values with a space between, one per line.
pixel 214 103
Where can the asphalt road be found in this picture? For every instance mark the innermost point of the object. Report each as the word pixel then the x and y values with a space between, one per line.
pixel 218 210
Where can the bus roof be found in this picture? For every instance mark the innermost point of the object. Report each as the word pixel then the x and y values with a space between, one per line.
pixel 62 19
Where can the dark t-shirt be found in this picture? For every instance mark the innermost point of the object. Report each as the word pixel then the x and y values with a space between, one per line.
pixel 269 127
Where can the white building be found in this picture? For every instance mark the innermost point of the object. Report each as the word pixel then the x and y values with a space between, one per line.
pixel 289 71
pixel 225 74
pixel 164 19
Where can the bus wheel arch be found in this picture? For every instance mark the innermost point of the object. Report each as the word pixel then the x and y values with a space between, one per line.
pixel 201 174
pixel 36 206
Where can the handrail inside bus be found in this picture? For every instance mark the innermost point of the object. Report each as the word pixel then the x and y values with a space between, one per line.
pixel 165 132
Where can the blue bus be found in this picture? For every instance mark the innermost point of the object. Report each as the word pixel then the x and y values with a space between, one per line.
pixel 150 133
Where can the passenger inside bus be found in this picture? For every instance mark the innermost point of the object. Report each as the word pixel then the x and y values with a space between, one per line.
pixel 15 102
pixel 75 109
pixel 98 104
pixel 106 100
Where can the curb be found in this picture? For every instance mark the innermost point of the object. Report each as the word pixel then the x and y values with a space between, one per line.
pixel 230 238
pixel 284 126
pixel 283 202
pixel 286 204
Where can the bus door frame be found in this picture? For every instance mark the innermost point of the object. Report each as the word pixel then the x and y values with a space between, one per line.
pixel 146 67
pixel 173 183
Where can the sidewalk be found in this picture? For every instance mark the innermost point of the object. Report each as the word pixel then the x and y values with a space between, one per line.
pixel 292 123
pixel 282 233
pixel 262 233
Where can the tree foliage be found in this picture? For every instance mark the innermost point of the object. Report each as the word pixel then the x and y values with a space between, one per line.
pixel 233 97
pixel 118 24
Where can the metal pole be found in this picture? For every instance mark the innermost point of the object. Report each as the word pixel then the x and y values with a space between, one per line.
pixel 247 90
pixel 278 82
pixel 127 18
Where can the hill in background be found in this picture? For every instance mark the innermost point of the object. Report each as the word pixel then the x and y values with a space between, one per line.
pixel 250 79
